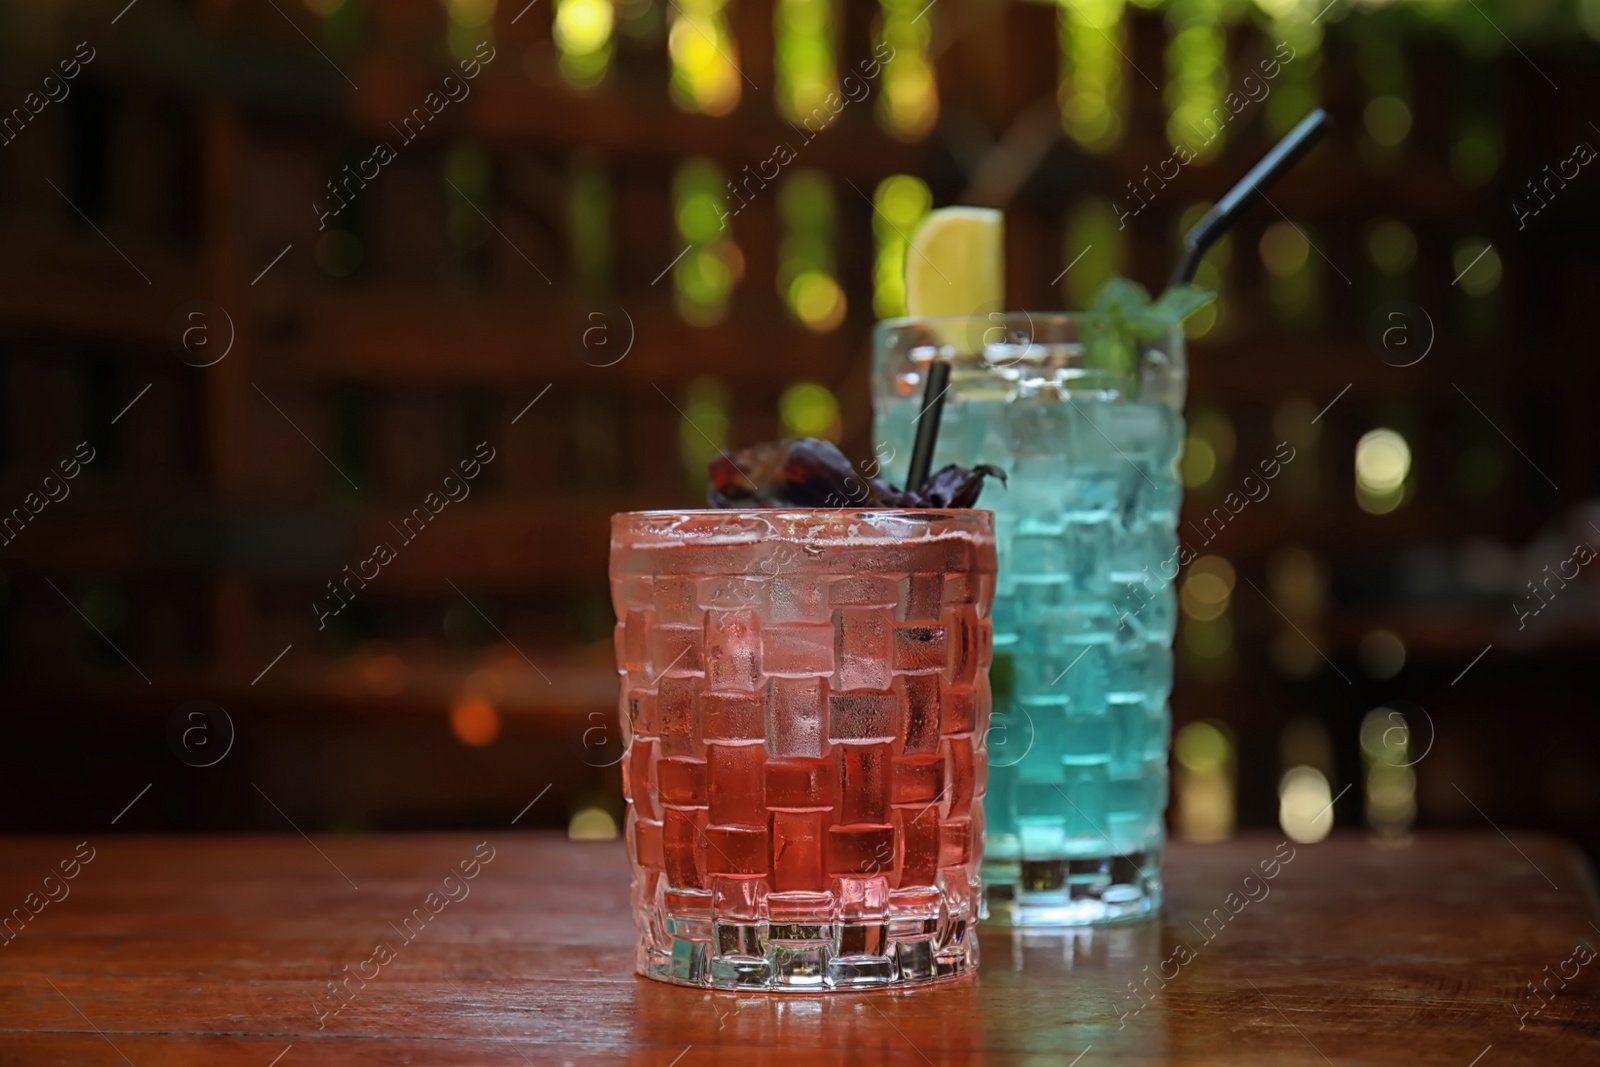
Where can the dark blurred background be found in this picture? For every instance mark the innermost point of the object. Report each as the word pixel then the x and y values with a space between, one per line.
pixel 272 269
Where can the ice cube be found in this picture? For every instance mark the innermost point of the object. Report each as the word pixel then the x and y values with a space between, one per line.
pixel 796 710
pixel 919 836
pixel 800 908
pixel 1094 493
pixel 797 649
pixel 1040 762
pixel 1157 500
pixel 863 783
pixel 738 899
pixel 675 649
pixel 1129 724
pixel 919 598
pixel 646 837
pixel 1035 494
pixel 797 848
pixel 673 597
pixel 683 782
pixel 1125 670
pixel 639 785
pixel 965 643
pixel 736 849
pixel 1038 679
pixel 675 706
pixel 917 779
pixel 1085 738
pixel 1033 431
pixel 921 709
pixel 959 711
pixel 732 650
pixel 797 599
pixel 734 784
pixel 681 848
pixel 861 716
pixel 1142 432
pixel 1039 556
pixel 800 783
pixel 960 760
pixel 862 646
pixel 955 842
pixel 643 719
pixel 853 850
pixel 634 640
pixel 863 591
pixel 1086 810
pixel 1088 546
pixel 866 897
pixel 730 591
pixel 732 716
pixel 1043 837
pixel 635 591
pixel 919 648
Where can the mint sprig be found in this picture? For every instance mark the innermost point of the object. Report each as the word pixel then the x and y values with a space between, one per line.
pixel 1122 315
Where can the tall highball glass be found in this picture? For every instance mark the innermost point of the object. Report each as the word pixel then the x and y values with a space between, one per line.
pixel 1084 608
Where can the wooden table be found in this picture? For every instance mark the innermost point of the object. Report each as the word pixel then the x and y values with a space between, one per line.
pixel 219 951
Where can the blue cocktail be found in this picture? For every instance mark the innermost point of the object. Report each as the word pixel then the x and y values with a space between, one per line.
pixel 1085 608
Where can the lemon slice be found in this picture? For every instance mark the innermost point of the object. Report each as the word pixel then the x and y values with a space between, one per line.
pixel 955 266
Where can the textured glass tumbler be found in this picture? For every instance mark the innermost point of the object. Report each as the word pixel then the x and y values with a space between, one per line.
pixel 804 700
pixel 1084 610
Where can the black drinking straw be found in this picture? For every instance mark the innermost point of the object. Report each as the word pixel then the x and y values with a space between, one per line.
pixel 928 425
pixel 1285 154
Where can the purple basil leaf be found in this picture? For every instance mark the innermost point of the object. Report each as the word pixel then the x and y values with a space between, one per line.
pixel 958 487
pixel 887 496
pixel 809 473
pixel 816 475
pixel 750 478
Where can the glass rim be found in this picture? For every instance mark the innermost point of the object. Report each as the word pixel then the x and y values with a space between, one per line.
pixel 982 515
pixel 1011 355
pixel 900 322
pixel 1008 313
pixel 839 527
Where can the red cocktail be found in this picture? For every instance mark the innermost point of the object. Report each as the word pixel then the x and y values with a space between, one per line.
pixel 804 698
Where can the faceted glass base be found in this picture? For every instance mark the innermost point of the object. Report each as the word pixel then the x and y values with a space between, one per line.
pixel 807 957
pixel 1072 892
